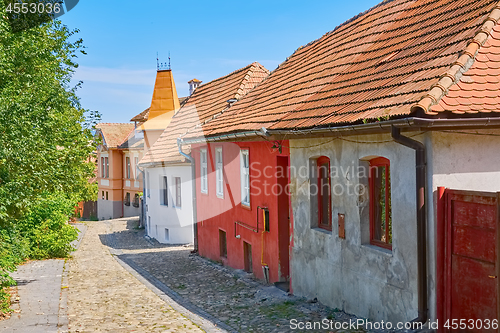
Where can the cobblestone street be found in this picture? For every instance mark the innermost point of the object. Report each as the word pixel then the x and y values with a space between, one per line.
pixel 230 296
pixel 103 297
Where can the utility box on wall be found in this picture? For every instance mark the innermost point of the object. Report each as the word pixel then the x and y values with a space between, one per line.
pixel 342 226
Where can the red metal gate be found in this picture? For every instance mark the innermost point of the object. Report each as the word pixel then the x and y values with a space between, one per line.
pixel 470 273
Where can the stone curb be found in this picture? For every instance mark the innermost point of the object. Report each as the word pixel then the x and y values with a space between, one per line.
pixel 63 320
pixel 204 320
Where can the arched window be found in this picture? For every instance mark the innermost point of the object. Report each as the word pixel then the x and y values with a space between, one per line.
pixel 324 193
pixel 380 202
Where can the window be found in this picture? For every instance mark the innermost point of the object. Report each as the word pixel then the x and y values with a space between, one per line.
pixel 128 167
pixel 164 191
pixel 136 163
pixel 136 200
pixel 177 181
pixel 245 177
pixel 127 199
pixel 167 236
pixel 106 161
pixel 102 195
pixel 103 168
pixel 324 192
pixel 219 180
pixel 222 243
pixel 380 203
pixel 148 184
pixel 203 171
pixel 106 195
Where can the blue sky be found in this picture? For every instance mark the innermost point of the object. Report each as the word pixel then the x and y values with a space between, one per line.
pixel 206 40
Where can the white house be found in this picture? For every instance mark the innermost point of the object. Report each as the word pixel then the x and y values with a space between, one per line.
pixel 169 187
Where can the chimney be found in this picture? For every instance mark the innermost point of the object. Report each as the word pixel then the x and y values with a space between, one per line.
pixel 193 84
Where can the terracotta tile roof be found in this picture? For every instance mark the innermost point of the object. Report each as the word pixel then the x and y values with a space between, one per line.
pixel 207 101
pixel 478 90
pixel 398 57
pixel 141 117
pixel 115 133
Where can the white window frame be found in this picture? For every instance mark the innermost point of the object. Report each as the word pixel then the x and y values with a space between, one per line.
pixel 203 171
pixel 245 176
pixel 128 166
pixel 164 193
pixel 219 172
pixel 136 163
pixel 148 184
pixel 177 201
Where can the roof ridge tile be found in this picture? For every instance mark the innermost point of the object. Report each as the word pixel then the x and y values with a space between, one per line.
pixel 459 67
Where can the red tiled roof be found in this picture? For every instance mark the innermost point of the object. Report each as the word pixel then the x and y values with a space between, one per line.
pixel 115 133
pixel 207 101
pixel 141 117
pixel 399 57
pixel 478 89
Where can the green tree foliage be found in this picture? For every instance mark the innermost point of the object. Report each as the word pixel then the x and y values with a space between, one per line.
pixel 46 141
pixel 44 144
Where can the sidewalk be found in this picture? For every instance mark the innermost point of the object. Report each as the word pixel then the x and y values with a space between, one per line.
pixel 39 287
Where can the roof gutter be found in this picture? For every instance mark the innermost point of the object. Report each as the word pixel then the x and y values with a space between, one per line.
pixel 413 123
pixel 193 189
pixel 421 173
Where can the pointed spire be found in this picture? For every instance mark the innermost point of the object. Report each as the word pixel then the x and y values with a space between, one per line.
pixel 164 95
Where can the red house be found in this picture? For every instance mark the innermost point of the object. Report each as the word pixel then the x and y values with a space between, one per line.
pixel 243 206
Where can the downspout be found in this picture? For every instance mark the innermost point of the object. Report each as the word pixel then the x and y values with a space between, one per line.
pixel 143 211
pixel 193 189
pixel 420 167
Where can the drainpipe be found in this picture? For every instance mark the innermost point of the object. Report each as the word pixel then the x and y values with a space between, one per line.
pixel 420 166
pixel 143 211
pixel 193 189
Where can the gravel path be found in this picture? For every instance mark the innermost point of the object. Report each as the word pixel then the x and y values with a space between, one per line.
pixel 104 297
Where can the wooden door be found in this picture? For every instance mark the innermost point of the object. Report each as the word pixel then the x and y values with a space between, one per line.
pixel 247 252
pixel 471 259
pixel 283 218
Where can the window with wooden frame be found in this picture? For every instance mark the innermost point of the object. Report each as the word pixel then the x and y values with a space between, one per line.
pixel 177 182
pixel 380 203
pixel 222 243
pixel 106 161
pixel 324 193
pixel 127 199
pixel 128 167
pixel 164 191
pixel 245 177
pixel 219 172
pixel 203 171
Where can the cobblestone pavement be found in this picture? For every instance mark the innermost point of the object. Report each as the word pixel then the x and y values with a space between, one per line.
pixel 104 297
pixel 231 296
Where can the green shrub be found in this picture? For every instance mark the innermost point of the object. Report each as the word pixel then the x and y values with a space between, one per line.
pixel 42 233
pixel 46 228
pixel 13 250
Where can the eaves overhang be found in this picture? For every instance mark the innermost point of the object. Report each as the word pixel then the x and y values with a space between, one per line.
pixel 406 125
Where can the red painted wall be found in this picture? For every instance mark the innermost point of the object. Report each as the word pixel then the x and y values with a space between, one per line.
pixel 216 213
